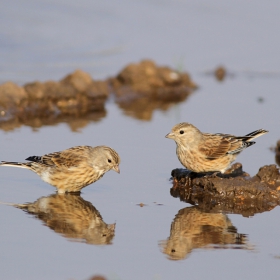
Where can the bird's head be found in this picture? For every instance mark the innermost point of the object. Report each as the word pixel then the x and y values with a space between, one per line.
pixel 184 133
pixel 106 158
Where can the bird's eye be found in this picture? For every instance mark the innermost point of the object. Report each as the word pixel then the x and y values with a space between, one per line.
pixel 109 160
pixel 181 131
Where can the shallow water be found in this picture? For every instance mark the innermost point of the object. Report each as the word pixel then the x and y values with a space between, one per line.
pixel 44 41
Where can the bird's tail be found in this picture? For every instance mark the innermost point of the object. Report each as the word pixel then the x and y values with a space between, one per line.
pixel 255 134
pixel 251 136
pixel 16 205
pixel 15 164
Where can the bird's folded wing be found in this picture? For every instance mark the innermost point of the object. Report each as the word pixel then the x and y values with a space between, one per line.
pixel 217 146
pixel 63 159
pixel 72 157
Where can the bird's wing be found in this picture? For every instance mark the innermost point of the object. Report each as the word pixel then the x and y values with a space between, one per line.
pixel 218 145
pixel 72 157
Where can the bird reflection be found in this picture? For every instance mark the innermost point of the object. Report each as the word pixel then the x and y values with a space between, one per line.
pixel 192 229
pixel 72 217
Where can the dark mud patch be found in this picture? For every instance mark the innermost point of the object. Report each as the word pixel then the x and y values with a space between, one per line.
pixel 220 73
pixel 235 192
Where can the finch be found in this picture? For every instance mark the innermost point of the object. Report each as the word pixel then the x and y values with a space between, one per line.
pixel 72 169
pixel 206 152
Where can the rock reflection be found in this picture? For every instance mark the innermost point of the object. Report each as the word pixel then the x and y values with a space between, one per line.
pixel 193 228
pixel 72 217
pixel 75 123
pixel 142 108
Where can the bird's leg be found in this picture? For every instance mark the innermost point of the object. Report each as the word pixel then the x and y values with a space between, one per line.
pixel 216 173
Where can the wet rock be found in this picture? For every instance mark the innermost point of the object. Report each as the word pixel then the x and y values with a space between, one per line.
pixel 76 95
pixel 269 176
pixel 235 192
pixel 141 88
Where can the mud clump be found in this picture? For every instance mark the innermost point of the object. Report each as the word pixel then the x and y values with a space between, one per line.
pixel 234 192
pixel 74 96
pixel 149 79
pixel 220 73
pixel 141 88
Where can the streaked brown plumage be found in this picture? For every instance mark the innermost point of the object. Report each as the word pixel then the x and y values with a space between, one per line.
pixel 72 169
pixel 206 152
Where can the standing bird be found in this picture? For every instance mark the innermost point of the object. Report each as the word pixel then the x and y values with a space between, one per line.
pixel 206 152
pixel 72 169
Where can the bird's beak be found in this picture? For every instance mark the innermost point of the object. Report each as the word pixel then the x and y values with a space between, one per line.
pixel 170 135
pixel 116 168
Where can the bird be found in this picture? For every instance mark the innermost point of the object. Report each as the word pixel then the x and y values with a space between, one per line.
pixel 72 169
pixel 205 152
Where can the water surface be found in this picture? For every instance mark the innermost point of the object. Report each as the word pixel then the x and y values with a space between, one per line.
pixel 47 40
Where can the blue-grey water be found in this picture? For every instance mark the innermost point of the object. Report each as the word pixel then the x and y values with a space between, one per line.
pixel 43 40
